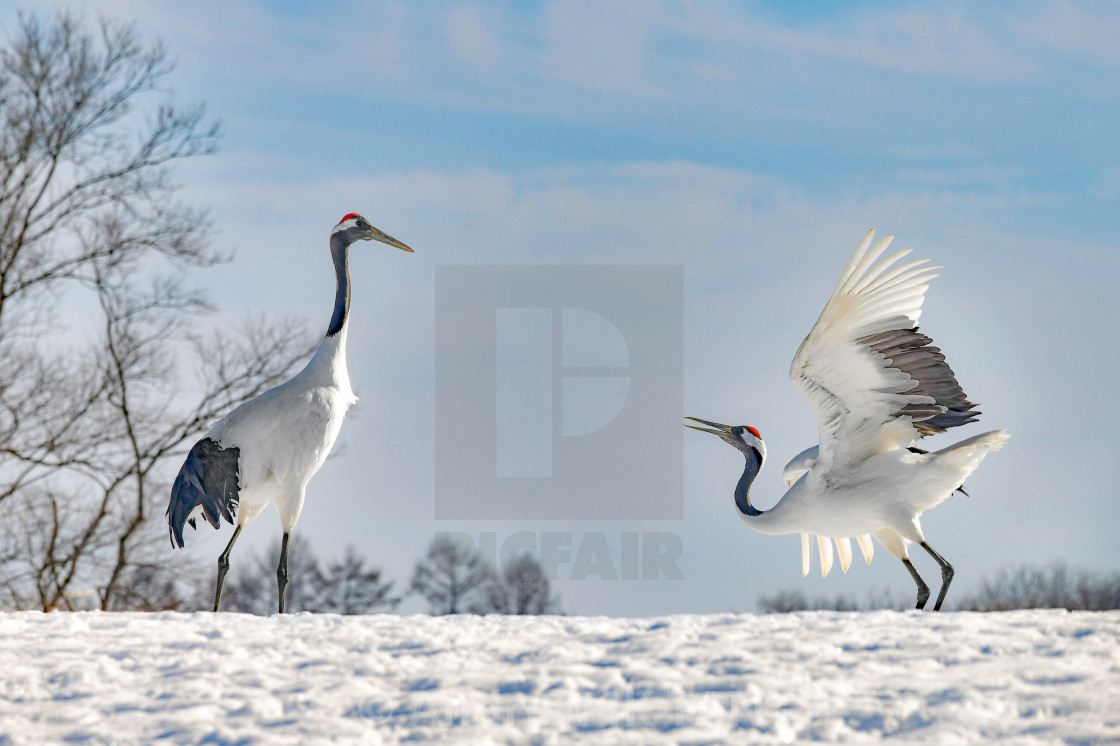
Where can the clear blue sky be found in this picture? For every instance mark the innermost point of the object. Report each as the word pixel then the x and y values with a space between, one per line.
pixel 751 143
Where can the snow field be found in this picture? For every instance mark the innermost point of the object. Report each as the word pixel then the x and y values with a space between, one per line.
pixel 1029 677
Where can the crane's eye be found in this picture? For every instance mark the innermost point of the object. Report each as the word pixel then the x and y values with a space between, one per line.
pixel 361 223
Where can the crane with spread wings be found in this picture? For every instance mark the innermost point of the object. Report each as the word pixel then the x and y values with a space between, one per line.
pixel 876 385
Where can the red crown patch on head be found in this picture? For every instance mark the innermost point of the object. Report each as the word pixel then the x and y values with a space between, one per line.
pixel 348 216
pixel 754 432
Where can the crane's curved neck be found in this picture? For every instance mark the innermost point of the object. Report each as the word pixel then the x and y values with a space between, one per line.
pixel 328 364
pixel 743 488
pixel 783 518
pixel 340 253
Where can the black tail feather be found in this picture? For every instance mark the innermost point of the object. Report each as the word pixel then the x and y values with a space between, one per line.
pixel 209 478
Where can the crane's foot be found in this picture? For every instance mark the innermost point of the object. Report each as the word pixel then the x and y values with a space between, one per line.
pixel 923 589
pixel 946 578
pixel 282 571
pixel 223 568
pixel 946 575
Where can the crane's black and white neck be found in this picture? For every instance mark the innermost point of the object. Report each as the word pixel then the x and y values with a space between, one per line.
pixel 743 487
pixel 340 255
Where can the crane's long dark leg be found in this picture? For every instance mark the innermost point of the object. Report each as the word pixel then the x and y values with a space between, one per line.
pixel 923 589
pixel 946 575
pixel 282 570
pixel 223 567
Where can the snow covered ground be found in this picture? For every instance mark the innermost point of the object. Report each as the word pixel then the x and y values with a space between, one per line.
pixel 1018 677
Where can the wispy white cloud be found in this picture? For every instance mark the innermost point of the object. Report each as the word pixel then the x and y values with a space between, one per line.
pixel 562 59
pixel 677 212
pixel 470 38
pixel 1083 31
pixel 939 40
pixel 599 47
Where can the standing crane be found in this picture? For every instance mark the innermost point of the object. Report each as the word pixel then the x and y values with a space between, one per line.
pixel 875 385
pixel 268 448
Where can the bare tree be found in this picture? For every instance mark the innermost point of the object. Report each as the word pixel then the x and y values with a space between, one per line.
pixel 1053 587
pixel 150 588
pixel 784 602
pixel 94 413
pixel 347 586
pixel 520 588
pixel 352 588
pixel 449 575
pixel 252 585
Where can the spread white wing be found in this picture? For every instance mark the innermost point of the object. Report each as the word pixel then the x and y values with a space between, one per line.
pixel 873 381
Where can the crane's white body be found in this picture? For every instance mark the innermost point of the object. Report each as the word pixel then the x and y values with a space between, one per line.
pixel 286 433
pixel 882 496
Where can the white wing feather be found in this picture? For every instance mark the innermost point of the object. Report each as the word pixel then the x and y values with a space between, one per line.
pixel 854 393
pixel 806 555
pixel 825 547
pixel 844 551
pixel 799 465
pixel 866 547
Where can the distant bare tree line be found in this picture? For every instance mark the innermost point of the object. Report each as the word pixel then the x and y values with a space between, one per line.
pixel 452 577
pixel 1055 586
pixel 341 586
pixel 784 602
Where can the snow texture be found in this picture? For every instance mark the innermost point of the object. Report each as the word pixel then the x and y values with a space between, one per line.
pixel 1030 677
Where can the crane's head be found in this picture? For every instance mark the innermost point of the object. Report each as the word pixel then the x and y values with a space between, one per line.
pixel 354 227
pixel 743 437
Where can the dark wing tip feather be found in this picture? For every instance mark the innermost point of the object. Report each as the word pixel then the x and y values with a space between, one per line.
pixel 208 478
pixel 913 353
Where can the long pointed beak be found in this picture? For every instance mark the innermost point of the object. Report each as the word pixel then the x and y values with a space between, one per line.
pixel 720 429
pixel 377 235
